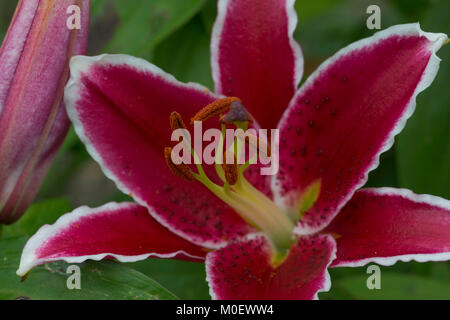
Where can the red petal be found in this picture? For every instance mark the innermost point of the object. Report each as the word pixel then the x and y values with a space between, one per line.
pixel 125 231
pixel 244 271
pixel 120 107
pixel 347 114
pixel 255 57
pixel 387 225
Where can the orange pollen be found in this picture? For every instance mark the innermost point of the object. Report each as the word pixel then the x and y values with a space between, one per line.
pixel 230 170
pixel 213 109
pixel 180 170
pixel 176 122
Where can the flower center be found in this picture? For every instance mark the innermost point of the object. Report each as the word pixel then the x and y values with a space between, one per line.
pixel 234 189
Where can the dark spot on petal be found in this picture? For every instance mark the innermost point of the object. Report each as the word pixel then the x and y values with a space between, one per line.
pixel 303 150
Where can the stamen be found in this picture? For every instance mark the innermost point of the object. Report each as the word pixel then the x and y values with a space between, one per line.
pixel 213 109
pixel 255 142
pixel 252 205
pixel 176 121
pixel 230 169
pixel 180 170
pixel 237 113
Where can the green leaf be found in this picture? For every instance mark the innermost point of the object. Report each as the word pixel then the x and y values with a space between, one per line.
pixel 185 54
pixel 325 29
pixel 38 214
pixel 307 9
pixel 393 286
pixel 143 24
pixel 99 280
pixel 186 279
pixel 6 13
pixel 412 8
pixel 423 148
pixel 385 175
pixel 208 15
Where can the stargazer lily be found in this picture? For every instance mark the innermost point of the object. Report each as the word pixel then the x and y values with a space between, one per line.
pixel 34 69
pixel 262 237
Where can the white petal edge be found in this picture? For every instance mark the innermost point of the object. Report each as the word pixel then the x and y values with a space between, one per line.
pixel 423 257
pixel 327 283
pixel 29 259
pixel 80 65
pixel 436 40
pixel 390 261
pixel 222 8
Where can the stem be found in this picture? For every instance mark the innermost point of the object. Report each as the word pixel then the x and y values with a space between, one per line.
pixel 246 188
pixel 254 213
pixel 219 156
pixel 238 143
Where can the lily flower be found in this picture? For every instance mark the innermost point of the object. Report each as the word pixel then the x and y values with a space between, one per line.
pixel 261 237
pixel 34 69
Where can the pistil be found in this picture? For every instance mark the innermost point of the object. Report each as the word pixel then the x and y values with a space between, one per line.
pixel 251 204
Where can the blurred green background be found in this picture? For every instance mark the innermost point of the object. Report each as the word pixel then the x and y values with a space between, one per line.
pixel 175 34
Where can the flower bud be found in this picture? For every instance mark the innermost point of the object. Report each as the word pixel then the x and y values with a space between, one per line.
pixel 34 68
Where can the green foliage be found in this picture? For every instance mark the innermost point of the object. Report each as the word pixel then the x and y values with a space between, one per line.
pixel 185 54
pixel 393 286
pixel 307 9
pixel 423 148
pixel 6 12
pixel 99 280
pixel 38 214
pixel 144 24
pixel 187 280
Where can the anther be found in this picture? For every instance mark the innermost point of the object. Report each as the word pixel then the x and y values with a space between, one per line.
pixel 230 169
pixel 180 170
pixel 176 122
pixel 213 109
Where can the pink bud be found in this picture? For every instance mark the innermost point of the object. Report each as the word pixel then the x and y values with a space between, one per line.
pixel 34 57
